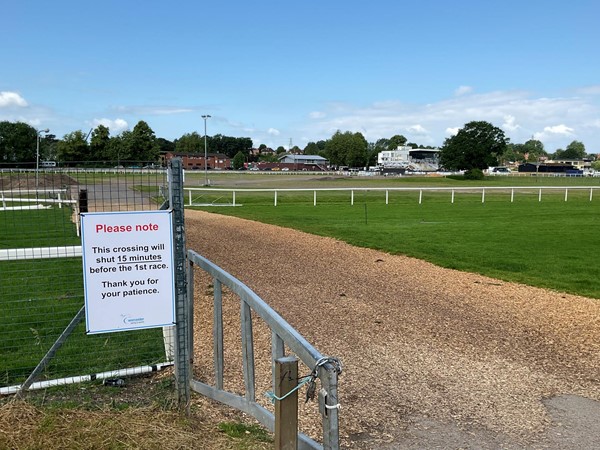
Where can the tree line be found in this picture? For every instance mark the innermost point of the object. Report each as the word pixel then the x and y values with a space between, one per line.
pixel 19 144
pixel 477 145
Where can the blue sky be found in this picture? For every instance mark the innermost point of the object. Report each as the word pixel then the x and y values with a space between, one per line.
pixel 278 71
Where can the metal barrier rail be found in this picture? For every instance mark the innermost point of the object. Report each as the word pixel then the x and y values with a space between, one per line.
pixel 387 190
pixel 282 335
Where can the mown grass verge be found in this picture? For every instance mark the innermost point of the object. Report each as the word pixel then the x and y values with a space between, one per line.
pixel 546 243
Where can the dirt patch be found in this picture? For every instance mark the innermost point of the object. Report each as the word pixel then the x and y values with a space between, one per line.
pixel 10 182
pixel 432 357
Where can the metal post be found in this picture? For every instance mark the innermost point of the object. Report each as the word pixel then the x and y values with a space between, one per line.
pixel 183 351
pixel 277 351
pixel 329 406
pixel 218 333
pixel 248 351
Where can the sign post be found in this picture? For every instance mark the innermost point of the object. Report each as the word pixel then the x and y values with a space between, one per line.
pixel 128 270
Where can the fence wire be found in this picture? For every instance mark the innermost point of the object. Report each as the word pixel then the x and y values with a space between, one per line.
pixel 41 279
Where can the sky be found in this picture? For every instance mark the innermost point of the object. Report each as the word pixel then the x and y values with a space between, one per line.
pixel 287 73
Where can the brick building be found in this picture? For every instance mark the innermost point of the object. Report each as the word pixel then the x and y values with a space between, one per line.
pixel 195 161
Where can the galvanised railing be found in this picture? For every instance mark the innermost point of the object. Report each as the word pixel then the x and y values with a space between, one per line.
pixel 327 369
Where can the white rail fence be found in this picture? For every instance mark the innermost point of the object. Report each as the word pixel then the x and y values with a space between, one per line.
pixel 41 197
pixel 195 193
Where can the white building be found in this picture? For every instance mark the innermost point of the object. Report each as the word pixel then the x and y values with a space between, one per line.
pixel 412 159
pixel 304 159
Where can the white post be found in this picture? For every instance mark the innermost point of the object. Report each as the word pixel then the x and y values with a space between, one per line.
pixel 315 198
pixel 275 198
pixel 591 190
pixel 190 197
pixel 566 194
pixel 512 195
pixel 387 197
pixel 233 198
pixel 483 195
pixel 351 198
pixel 420 196
pixel 540 195
pixel 452 199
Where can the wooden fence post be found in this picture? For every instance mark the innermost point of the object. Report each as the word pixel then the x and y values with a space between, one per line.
pixel 286 410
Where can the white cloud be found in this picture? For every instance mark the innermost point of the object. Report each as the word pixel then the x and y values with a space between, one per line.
pixel 463 90
pixel 317 115
pixel 11 99
pixel 590 90
pixel 152 110
pixel 510 123
pixel 273 132
pixel 560 130
pixel 518 113
pixel 115 126
pixel 417 129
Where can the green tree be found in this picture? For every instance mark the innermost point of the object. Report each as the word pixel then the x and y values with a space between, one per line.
pixel 513 153
pixel 575 150
pixel 534 149
pixel 238 161
pixel 280 150
pixel 229 145
pixel 530 151
pixel 396 141
pixel 165 146
pixel 17 142
pixel 347 149
pixel 476 146
pixel 100 144
pixel 142 143
pixel 73 148
pixel 268 157
pixel 119 148
pixel 190 143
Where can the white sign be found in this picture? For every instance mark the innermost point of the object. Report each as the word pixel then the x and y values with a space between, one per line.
pixel 128 270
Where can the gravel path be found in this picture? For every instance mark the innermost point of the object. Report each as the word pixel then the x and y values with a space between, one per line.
pixel 433 358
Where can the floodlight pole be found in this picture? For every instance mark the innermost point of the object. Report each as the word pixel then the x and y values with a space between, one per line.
pixel 205 116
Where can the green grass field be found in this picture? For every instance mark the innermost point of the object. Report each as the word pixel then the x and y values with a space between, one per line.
pixel 549 243
pixel 38 298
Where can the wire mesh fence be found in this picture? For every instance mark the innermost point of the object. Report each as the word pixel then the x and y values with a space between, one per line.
pixel 41 280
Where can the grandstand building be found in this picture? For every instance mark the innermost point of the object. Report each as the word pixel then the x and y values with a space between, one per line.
pixel 410 159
